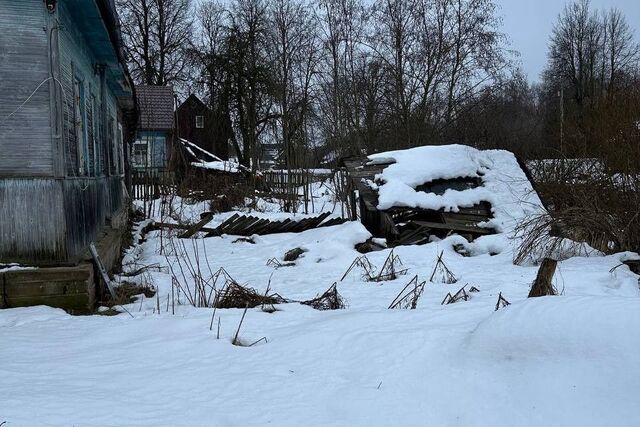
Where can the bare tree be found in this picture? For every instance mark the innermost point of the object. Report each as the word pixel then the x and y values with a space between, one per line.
pixel 156 35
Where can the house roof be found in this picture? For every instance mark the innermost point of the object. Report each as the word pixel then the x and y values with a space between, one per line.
pixel 193 99
pixel 156 107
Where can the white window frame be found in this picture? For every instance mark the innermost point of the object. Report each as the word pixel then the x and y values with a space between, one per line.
pixel 199 122
pixel 142 141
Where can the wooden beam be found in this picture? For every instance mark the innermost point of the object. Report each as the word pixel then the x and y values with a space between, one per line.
pixel 460 228
pixel 159 225
pixel 102 270
pixel 197 226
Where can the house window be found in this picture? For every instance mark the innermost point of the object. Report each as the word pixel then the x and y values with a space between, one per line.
pixel 199 122
pixel 140 154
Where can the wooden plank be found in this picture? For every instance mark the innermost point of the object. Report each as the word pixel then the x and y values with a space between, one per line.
pixel 256 226
pixel 102 270
pixel 460 228
pixel 197 226
pixel 169 226
pixel 77 302
pixel 21 289
pixel 228 222
pixel 464 216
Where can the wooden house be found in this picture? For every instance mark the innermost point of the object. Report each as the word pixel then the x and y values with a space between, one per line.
pixel 198 124
pixel 67 109
pixel 152 148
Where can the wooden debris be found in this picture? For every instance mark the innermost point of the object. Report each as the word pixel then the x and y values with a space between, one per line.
pixel 543 284
pixel 462 250
pixel 293 254
pixel 197 226
pixel 369 246
pixel 442 272
pixel 409 295
pixel 633 264
pixel 502 302
pixel 245 240
pixel 247 225
pixel 275 263
pixel 102 270
pixel 329 300
pixel 170 226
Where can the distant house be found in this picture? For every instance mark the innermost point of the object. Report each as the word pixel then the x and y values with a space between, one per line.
pixel 67 109
pixel 151 149
pixel 269 155
pixel 196 123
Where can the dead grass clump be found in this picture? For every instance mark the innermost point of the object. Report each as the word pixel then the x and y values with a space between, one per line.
pixel 363 263
pixel 275 263
pixel 127 291
pixel 461 295
pixel 441 273
pixel 409 295
pixel 235 295
pixel 329 300
pixel 502 302
pixel 390 270
pixel 542 238
pixel 242 342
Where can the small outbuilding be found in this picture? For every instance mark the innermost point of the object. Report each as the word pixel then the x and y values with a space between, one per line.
pixel 411 196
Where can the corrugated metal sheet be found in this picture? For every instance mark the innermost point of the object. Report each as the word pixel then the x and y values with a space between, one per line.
pixel 25 137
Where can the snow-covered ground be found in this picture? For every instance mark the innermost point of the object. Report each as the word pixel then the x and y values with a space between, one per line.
pixel 571 359
pixel 565 360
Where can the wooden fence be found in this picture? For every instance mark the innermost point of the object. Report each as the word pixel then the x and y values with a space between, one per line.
pixel 151 183
pixel 280 180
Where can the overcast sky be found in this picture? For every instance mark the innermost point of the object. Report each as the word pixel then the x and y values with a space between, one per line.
pixel 528 24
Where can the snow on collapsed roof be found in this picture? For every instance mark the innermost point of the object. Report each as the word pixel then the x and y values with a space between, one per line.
pixel 207 160
pixel 504 183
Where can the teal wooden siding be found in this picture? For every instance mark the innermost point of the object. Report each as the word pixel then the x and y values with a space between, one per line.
pixel 53 201
pixel 25 136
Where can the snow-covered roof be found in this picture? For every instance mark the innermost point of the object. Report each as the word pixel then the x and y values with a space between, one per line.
pixel 503 183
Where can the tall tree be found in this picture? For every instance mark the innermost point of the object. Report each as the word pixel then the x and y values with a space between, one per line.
pixel 156 35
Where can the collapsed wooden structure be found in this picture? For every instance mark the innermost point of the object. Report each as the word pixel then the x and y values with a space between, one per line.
pixel 248 225
pixel 405 225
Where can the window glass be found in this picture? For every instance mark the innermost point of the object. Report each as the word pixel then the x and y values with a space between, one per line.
pixel 140 153
pixel 199 122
